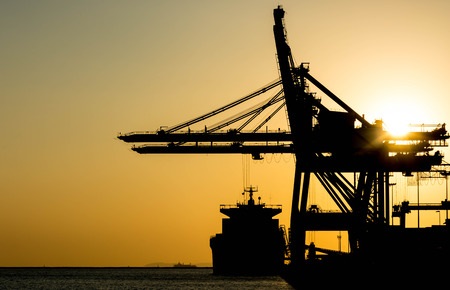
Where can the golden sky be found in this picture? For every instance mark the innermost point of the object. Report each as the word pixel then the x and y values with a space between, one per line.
pixel 76 73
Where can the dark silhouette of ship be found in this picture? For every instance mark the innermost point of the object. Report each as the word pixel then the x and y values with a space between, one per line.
pixel 251 242
pixel 183 265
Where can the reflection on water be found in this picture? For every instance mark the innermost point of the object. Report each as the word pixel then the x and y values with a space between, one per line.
pixel 130 278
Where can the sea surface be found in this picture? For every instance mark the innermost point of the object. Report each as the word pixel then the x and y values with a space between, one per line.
pixel 130 278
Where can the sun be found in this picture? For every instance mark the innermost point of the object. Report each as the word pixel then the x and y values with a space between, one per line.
pixel 399 120
pixel 401 109
pixel 396 126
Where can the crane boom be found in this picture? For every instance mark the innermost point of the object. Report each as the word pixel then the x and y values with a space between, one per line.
pixel 326 144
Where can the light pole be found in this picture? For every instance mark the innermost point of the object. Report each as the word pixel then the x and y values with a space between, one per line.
pixel 446 174
pixel 339 241
pixel 446 196
pixel 439 212
pixel 418 203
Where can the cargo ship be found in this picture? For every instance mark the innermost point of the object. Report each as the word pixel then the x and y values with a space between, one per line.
pixel 182 265
pixel 252 242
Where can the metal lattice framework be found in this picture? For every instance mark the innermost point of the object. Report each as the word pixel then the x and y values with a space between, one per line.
pixel 326 144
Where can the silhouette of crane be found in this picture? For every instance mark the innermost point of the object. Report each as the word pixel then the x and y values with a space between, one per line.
pixel 330 145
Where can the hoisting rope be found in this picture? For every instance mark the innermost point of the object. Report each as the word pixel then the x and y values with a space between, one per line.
pixel 271 85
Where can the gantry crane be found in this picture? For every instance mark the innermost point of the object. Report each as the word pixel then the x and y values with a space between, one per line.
pixel 328 144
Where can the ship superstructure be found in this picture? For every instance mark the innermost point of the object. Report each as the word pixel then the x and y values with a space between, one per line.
pixel 252 241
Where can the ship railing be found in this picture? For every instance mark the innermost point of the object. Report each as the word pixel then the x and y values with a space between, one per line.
pixel 274 206
pixel 196 131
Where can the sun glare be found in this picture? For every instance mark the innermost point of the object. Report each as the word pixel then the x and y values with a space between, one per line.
pixel 399 122
pixel 400 109
pixel 396 123
pixel 396 127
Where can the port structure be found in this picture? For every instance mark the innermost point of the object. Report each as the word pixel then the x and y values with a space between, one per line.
pixel 351 157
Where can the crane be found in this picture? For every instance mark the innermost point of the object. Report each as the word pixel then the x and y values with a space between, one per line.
pixel 327 144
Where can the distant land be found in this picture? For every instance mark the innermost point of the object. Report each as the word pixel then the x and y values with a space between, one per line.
pixel 165 265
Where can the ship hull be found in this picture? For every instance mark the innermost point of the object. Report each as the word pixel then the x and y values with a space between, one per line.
pixel 247 255
pixel 252 243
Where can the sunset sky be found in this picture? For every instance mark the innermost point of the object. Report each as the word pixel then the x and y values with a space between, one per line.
pixel 73 74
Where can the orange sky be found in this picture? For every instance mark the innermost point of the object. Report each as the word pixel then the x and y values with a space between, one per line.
pixel 76 73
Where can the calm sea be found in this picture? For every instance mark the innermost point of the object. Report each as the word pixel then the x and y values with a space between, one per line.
pixel 130 278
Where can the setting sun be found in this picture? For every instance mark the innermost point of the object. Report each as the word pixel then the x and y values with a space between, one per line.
pixel 400 117
pixel 395 126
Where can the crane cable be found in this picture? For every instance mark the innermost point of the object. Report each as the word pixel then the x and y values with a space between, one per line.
pixel 245 170
pixel 270 86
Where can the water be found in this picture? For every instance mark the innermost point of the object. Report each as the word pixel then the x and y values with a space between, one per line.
pixel 130 278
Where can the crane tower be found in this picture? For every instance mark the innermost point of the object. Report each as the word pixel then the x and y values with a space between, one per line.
pixel 350 157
